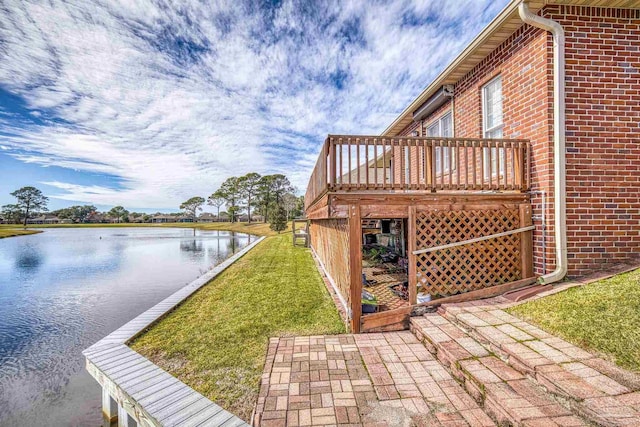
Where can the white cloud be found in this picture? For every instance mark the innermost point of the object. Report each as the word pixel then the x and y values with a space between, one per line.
pixel 172 100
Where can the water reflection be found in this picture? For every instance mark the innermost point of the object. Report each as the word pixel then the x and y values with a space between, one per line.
pixel 64 289
pixel 29 259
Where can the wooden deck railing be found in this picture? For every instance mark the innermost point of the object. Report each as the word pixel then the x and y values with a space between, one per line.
pixel 349 163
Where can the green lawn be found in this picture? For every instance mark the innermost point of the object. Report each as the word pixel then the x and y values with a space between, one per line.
pixel 12 232
pixel 216 340
pixel 259 229
pixel 603 316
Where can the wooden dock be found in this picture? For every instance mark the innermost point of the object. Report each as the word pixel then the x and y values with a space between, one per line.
pixel 136 392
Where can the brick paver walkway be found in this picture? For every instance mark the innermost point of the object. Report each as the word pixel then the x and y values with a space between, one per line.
pixel 360 380
pixel 470 364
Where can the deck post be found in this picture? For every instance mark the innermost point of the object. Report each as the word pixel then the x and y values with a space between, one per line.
pixel 124 419
pixel 526 242
pixel 355 266
pixel 411 257
pixel 109 408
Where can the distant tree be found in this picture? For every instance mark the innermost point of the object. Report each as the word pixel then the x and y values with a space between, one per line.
pixel 64 213
pixel 290 203
pixel 280 186
pixel 265 196
pixel 217 201
pixel 119 213
pixel 249 186
pixel 192 206
pixel 146 218
pixel 11 213
pixel 279 220
pixel 231 192
pixel 81 213
pixel 30 200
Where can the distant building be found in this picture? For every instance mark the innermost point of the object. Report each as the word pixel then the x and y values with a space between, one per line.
pixel 162 218
pixel 207 217
pixel 44 219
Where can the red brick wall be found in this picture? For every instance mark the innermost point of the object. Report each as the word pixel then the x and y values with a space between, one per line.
pixel 603 131
pixel 603 134
pixel 524 63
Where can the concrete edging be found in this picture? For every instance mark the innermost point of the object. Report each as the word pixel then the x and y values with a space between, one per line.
pixel 141 392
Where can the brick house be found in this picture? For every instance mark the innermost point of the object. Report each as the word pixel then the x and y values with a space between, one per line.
pixel 541 112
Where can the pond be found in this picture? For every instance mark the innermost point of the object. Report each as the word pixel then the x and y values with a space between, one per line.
pixel 64 289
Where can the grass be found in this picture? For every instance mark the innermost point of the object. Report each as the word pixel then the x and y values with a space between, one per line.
pixel 602 316
pixel 216 340
pixel 12 232
pixel 259 229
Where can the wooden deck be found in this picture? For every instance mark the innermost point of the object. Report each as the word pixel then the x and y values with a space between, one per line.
pixel 415 165
pixel 465 203
pixel 145 394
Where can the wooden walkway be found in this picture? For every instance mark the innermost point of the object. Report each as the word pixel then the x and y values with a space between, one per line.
pixel 138 392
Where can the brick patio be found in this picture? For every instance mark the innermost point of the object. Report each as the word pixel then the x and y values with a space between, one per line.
pixel 471 364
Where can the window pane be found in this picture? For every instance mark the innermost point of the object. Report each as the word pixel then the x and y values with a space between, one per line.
pixel 446 125
pixel 493 104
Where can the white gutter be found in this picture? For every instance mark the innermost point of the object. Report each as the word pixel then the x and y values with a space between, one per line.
pixel 559 169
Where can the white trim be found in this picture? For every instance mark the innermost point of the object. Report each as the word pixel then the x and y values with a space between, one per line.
pixel 495 152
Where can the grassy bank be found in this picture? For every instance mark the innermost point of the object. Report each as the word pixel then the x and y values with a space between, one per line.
pixel 602 317
pixel 216 340
pixel 258 229
pixel 12 232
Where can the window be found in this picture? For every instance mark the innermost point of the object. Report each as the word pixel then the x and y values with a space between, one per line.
pixel 492 125
pixel 443 127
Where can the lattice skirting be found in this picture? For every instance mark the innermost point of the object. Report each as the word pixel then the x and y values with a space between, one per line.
pixel 473 266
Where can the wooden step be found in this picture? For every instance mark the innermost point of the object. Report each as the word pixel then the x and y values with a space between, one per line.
pixel 591 386
pixel 506 394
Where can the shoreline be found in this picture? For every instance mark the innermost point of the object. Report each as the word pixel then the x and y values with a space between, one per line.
pixel 5 233
pixel 255 228
pixel 127 396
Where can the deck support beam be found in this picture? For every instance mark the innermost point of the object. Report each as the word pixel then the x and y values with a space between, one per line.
pixel 355 266
pixel 124 419
pixel 411 257
pixel 109 408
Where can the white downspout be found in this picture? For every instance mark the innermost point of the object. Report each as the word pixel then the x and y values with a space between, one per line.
pixel 559 169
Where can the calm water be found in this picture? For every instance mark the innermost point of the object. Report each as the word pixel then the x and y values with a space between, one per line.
pixel 64 289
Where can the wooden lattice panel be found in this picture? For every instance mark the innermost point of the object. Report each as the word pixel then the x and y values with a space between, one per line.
pixel 330 240
pixel 469 267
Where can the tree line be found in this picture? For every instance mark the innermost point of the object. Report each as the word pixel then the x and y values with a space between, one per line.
pixel 31 202
pixel 271 196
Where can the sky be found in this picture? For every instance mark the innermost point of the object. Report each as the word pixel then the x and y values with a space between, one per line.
pixel 148 103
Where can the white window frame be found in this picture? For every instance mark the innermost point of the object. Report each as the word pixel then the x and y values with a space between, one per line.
pixel 489 132
pixel 449 153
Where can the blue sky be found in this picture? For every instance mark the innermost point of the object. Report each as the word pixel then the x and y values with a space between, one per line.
pixel 145 104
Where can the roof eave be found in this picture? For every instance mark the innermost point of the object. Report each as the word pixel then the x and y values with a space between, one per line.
pixel 405 117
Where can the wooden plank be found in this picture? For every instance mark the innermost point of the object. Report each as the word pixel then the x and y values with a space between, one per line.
pixel 181 405
pixel 332 163
pixel 213 415
pixel 169 400
pixel 188 412
pixel 475 240
pixel 355 266
pixel 384 318
pixel 488 292
pixel 411 234
pixel 162 391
